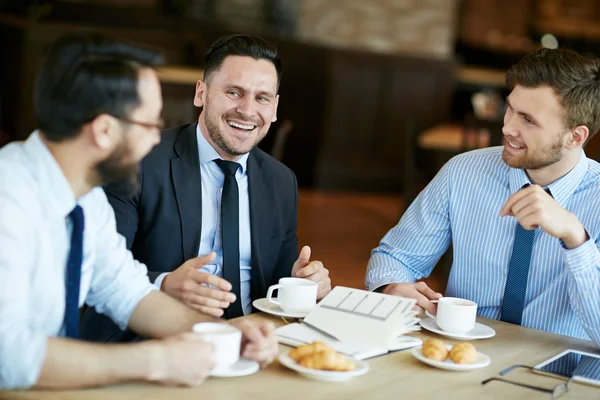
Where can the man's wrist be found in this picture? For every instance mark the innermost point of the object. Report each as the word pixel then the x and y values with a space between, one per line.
pixel 155 365
pixel 576 237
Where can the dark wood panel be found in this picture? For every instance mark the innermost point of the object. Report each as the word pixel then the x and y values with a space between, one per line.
pixel 372 99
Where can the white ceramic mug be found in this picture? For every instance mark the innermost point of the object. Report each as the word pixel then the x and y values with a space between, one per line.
pixel 456 315
pixel 294 294
pixel 226 340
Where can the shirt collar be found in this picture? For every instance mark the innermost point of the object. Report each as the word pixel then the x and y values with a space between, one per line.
pixel 562 188
pixel 207 153
pixel 59 196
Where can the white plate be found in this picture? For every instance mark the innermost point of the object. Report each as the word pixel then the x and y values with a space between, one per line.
pixel 480 331
pixel 265 305
pixel 328 376
pixel 240 368
pixel 481 361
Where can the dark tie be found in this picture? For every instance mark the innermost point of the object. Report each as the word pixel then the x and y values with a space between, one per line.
pixel 74 274
pixel 518 275
pixel 230 228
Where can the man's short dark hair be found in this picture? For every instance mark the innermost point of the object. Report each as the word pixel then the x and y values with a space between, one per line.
pixel 241 45
pixel 84 75
pixel 575 79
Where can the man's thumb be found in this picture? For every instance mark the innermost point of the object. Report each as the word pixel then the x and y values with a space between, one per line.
pixel 304 256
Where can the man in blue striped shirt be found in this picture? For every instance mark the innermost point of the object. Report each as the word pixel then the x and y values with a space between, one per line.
pixel 540 179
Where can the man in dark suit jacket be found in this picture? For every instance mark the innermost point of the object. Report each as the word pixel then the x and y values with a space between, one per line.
pixel 173 223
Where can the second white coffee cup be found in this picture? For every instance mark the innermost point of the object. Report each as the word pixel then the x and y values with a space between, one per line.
pixel 226 340
pixel 456 315
pixel 294 294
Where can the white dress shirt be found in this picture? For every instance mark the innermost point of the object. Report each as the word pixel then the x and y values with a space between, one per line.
pixel 211 239
pixel 35 200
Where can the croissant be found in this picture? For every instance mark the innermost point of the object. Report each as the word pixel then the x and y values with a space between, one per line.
pixel 307 349
pixel 435 349
pixel 327 360
pixel 463 353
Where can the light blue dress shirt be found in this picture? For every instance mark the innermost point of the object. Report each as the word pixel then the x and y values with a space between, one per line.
pixel 210 240
pixel 35 200
pixel 462 205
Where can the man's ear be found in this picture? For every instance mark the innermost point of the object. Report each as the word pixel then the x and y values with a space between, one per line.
pixel 578 136
pixel 200 96
pixel 103 129
pixel 276 105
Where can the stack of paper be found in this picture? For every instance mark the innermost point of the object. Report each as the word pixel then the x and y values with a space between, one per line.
pixel 357 323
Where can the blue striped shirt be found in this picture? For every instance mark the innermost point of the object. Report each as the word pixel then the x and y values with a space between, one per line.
pixel 462 205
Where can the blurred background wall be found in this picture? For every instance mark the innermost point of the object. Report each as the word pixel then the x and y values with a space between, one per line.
pixel 376 94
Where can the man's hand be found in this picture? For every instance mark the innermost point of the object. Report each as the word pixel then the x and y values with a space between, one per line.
pixel 189 285
pixel 259 341
pixel 419 291
pixel 184 359
pixel 313 270
pixel 533 207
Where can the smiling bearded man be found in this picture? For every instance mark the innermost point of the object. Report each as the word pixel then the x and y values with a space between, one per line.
pixel 207 190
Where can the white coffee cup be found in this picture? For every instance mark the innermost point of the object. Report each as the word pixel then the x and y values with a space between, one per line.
pixel 226 340
pixel 294 294
pixel 456 315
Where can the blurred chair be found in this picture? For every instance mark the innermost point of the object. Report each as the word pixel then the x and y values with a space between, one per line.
pixel 280 138
pixel 437 144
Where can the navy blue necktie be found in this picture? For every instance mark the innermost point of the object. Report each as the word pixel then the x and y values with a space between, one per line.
pixel 513 302
pixel 74 274
pixel 230 229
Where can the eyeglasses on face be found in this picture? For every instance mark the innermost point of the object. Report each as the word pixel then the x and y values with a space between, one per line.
pixel 149 125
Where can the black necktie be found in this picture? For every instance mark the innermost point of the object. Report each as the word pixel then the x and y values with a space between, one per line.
pixel 230 229
pixel 515 289
pixel 74 274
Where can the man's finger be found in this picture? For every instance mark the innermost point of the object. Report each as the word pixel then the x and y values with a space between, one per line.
pixel 427 291
pixel 216 294
pixel 311 268
pixel 215 312
pixel 250 331
pixel 513 199
pixel 194 299
pixel 304 255
pixel 201 261
pixel 318 276
pixel 210 279
pixel 424 303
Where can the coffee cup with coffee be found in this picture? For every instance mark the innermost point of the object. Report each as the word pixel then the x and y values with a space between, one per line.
pixel 456 315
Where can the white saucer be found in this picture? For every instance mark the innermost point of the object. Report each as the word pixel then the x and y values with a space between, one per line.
pixel 479 332
pixel 265 305
pixel 240 368
pixel 327 376
pixel 481 361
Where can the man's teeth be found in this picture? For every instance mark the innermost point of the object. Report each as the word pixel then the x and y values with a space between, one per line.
pixel 514 146
pixel 236 125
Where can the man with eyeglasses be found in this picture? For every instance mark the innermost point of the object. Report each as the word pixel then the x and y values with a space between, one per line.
pixel 97 103
pixel 215 218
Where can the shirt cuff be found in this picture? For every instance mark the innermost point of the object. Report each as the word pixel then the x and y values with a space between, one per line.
pixel 582 258
pixel 371 287
pixel 158 281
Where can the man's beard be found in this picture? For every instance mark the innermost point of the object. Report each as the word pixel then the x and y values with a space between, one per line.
pixel 216 135
pixel 117 174
pixel 539 159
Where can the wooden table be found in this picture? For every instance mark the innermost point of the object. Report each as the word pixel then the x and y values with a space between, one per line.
pixel 394 376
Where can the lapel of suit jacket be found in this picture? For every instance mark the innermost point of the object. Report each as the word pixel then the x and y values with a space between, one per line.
pixel 185 171
pixel 260 188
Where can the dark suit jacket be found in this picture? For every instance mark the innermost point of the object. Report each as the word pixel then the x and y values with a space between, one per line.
pixel 162 223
